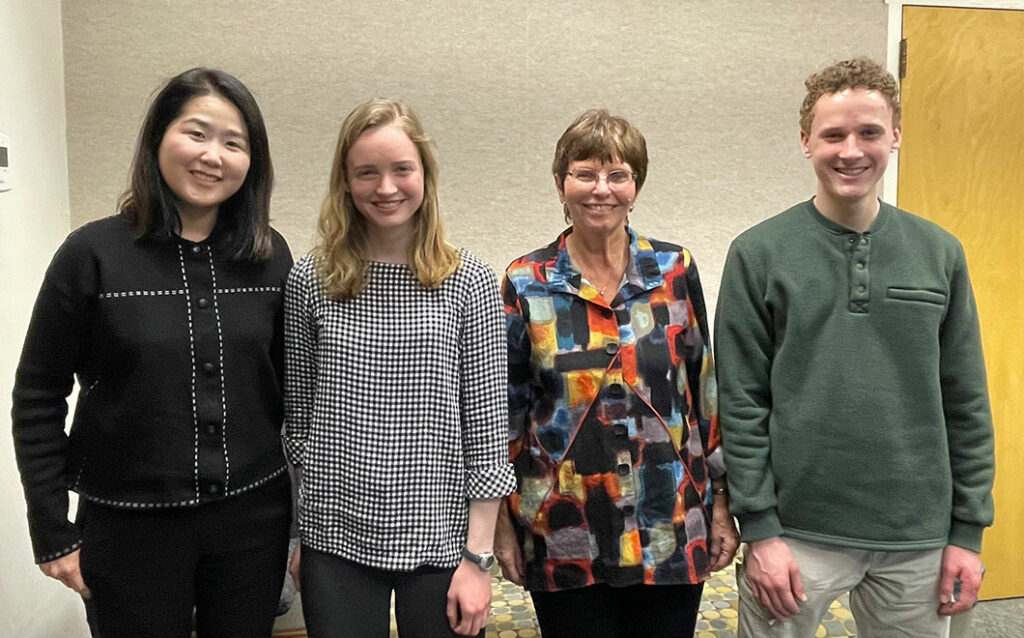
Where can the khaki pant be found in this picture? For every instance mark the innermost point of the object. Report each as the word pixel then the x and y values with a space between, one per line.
pixel 892 594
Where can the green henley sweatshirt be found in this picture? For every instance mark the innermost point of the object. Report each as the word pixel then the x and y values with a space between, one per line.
pixel 853 401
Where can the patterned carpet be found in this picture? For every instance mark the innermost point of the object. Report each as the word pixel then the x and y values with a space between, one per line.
pixel 512 612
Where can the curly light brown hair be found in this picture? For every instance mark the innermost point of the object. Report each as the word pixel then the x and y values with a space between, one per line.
pixel 857 73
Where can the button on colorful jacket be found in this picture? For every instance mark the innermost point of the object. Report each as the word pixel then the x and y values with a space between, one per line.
pixel 613 429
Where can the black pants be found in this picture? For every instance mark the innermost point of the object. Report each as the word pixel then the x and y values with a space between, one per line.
pixel 601 611
pixel 342 598
pixel 147 570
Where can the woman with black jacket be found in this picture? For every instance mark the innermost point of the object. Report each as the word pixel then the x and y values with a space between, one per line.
pixel 169 314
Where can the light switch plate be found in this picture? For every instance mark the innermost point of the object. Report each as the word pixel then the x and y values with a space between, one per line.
pixel 5 164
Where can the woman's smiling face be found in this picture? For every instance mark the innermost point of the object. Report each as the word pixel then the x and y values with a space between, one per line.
pixel 204 154
pixel 385 178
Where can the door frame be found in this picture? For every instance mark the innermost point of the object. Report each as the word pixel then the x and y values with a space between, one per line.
pixel 892 59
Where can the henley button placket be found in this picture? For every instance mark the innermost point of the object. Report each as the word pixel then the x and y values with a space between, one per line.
pixel 858 256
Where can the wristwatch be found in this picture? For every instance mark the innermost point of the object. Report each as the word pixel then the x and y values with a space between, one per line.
pixel 484 561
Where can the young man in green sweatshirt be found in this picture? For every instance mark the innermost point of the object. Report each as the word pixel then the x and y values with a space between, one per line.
pixel 853 402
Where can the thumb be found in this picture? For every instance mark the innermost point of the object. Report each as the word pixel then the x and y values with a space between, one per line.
pixel 797 584
pixel 452 610
pixel 946 579
pixel 293 567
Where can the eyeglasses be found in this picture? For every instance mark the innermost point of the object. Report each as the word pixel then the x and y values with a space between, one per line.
pixel 614 178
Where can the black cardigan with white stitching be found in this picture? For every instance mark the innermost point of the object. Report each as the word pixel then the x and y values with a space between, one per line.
pixel 178 354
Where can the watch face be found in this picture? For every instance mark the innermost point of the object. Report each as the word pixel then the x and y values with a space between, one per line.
pixel 483 561
pixel 486 561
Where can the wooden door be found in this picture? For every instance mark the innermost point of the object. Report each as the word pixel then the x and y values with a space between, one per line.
pixel 962 165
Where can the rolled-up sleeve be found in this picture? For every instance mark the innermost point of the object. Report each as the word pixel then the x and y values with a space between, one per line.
pixel 482 388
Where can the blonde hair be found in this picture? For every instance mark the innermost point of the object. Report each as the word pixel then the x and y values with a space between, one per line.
pixel 857 73
pixel 341 253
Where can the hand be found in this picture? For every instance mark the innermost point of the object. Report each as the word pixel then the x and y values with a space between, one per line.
pixel 962 564
pixel 66 570
pixel 293 566
pixel 725 538
pixel 469 599
pixel 507 549
pixel 774 577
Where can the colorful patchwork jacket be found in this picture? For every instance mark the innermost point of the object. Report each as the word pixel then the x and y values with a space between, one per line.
pixel 613 428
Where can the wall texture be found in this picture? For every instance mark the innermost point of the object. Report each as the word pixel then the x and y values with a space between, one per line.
pixel 33 221
pixel 714 86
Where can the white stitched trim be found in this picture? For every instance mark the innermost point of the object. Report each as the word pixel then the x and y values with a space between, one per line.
pixel 192 355
pixel 230 291
pixel 184 503
pixel 259 482
pixel 184 291
pixel 142 293
pixel 55 555
pixel 223 391
pixel 138 506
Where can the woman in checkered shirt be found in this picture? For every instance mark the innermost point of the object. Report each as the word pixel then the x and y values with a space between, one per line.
pixel 395 404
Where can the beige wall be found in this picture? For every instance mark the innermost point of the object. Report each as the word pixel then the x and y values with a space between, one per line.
pixel 33 221
pixel 714 86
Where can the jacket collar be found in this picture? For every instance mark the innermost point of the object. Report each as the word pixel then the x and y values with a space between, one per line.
pixel 642 270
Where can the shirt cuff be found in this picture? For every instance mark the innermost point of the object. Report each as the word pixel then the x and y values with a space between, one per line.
pixel 492 482
pixel 716 463
pixel 294 450
pixel 966 535
pixel 759 525
pixel 54 555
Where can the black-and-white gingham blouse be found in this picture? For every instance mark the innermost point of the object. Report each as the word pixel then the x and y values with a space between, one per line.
pixel 396 411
